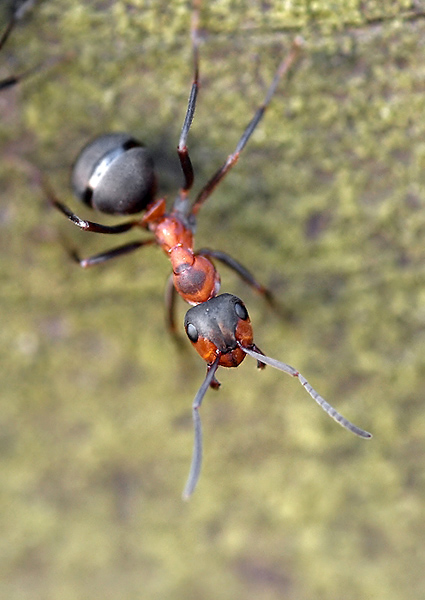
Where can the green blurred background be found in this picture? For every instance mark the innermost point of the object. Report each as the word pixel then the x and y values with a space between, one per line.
pixel 326 206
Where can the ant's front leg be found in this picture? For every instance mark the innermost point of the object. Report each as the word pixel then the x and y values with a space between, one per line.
pixel 182 149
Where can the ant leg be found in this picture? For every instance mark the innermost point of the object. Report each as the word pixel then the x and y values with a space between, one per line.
pixel 182 149
pixel 7 32
pixel 12 80
pixel 113 253
pixel 195 467
pixel 16 13
pixel 243 273
pixel 90 225
pixel 232 159
pixel 247 276
pixel 81 223
pixel 170 297
pixel 9 28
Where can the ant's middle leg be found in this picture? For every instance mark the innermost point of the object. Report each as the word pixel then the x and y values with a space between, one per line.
pixel 102 257
pixel 249 278
pixel 239 269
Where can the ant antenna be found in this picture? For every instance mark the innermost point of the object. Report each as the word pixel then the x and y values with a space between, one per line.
pixel 272 362
pixel 195 467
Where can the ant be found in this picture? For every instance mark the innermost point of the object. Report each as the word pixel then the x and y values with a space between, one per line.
pixel 220 331
pixel 114 174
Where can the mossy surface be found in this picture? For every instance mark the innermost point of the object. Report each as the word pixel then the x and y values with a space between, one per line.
pixel 326 206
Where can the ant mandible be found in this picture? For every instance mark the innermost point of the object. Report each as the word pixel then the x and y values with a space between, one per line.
pixel 114 174
pixel 220 331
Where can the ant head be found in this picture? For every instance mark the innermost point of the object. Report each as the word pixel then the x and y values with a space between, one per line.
pixel 221 332
pixel 218 328
pixel 114 174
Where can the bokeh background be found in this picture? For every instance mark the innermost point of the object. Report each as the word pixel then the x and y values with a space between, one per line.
pixel 326 206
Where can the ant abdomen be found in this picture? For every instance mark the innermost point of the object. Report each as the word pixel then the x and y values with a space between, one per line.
pixel 114 174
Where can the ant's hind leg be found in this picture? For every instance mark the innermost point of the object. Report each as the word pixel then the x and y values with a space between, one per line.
pixel 102 257
pixel 170 298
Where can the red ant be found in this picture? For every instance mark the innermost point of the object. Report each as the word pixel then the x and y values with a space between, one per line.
pixel 220 331
pixel 114 174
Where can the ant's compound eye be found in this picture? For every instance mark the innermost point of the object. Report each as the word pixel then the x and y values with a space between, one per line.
pixel 192 332
pixel 241 311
